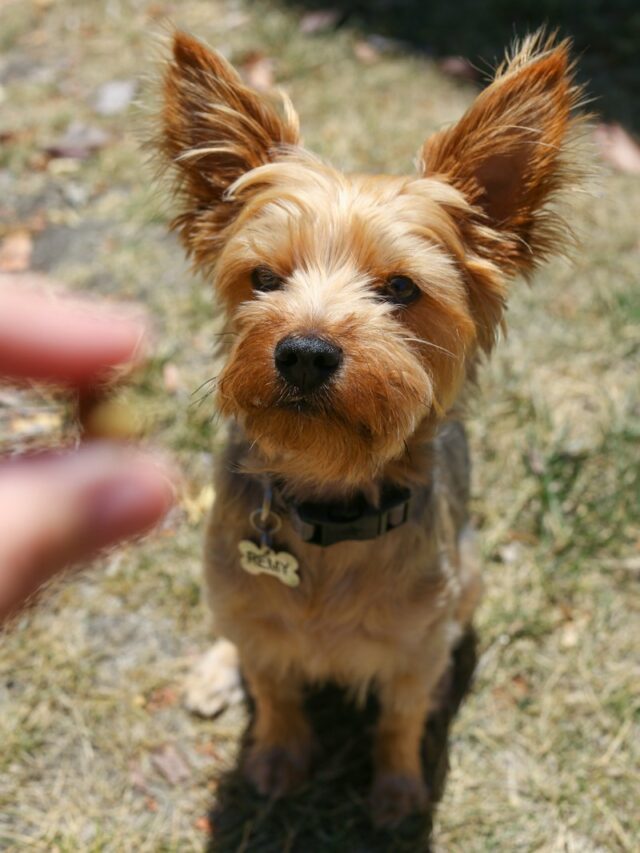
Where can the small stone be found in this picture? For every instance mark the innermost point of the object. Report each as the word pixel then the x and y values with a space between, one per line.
pixel 114 97
pixel 319 21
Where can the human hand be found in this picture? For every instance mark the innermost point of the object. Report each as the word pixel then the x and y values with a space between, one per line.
pixel 62 507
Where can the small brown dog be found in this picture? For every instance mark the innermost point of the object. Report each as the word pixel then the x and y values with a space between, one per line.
pixel 338 547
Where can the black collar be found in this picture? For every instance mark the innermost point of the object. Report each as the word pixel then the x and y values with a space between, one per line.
pixel 328 523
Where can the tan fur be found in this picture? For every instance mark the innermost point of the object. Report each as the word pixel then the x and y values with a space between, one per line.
pixel 381 614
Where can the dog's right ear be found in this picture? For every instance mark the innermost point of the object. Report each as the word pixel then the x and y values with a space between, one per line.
pixel 213 130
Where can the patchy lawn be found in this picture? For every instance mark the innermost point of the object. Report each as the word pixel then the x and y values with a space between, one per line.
pixel 97 752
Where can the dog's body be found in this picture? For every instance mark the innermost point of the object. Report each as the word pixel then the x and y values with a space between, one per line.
pixel 344 624
pixel 357 308
pixel 391 628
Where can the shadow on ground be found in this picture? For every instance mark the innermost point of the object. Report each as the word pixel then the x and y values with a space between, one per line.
pixel 331 812
pixel 606 35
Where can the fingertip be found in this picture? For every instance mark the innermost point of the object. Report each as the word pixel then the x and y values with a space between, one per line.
pixel 131 501
pixel 48 337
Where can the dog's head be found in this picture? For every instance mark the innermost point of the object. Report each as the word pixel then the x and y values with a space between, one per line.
pixel 359 303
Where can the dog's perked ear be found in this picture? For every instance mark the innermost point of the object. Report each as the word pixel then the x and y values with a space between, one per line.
pixel 511 153
pixel 213 130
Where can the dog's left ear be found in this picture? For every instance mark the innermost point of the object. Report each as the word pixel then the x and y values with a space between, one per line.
pixel 213 129
pixel 508 154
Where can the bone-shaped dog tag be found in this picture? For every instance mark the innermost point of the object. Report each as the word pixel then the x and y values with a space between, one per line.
pixel 260 559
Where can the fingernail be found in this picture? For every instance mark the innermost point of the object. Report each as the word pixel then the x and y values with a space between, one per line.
pixel 128 504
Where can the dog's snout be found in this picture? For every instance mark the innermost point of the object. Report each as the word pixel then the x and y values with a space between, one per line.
pixel 307 362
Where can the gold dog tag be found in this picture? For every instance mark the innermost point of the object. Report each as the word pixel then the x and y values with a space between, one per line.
pixel 260 559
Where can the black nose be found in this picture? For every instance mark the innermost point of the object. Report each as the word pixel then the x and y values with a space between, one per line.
pixel 307 362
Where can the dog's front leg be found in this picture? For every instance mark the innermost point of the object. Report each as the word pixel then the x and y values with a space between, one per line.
pixel 405 700
pixel 279 757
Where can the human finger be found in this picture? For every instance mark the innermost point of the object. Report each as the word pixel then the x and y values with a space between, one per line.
pixel 58 509
pixel 48 337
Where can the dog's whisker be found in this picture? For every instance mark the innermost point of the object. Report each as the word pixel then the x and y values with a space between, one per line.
pixel 202 385
pixel 195 404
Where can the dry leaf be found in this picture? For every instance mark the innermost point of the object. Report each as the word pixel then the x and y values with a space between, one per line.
pixel 459 67
pixel 318 22
pixel 171 378
pixel 384 44
pixel 366 52
pixel 168 761
pixel 502 696
pixel 618 148
pixel 521 687
pixel 197 506
pixel 15 252
pixel 570 636
pixel 163 697
pixel 511 553
pixel 138 779
pixel 234 19
pixel 41 423
pixel 566 610
pixel 203 824
pixel 36 38
pixel 10 399
pixel 536 462
pixel 214 683
pixel 209 750
pixel 157 10
pixel 630 564
pixel 257 70
pixel 78 142
pixel 37 222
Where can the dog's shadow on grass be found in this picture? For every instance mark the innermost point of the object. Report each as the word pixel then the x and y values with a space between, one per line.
pixel 331 812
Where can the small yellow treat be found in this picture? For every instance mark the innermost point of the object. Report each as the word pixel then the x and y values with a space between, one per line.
pixel 103 416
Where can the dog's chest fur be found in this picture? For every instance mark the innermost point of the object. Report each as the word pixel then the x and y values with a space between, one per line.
pixel 361 607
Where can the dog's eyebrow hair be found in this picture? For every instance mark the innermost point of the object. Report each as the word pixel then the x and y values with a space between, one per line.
pixel 430 344
pixel 192 153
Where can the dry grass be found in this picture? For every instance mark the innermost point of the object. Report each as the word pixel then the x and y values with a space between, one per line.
pixel 544 755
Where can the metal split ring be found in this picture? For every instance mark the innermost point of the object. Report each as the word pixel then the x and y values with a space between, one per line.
pixel 260 521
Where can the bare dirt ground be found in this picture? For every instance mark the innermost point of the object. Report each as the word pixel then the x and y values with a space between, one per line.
pixel 98 753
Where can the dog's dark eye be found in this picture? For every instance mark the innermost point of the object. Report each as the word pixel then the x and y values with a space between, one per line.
pixel 264 279
pixel 402 290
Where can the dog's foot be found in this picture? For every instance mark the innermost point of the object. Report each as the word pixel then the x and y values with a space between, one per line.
pixel 214 682
pixel 396 796
pixel 275 771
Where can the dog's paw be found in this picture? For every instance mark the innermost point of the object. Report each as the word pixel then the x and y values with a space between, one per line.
pixel 214 683
pixel 275 771
pixel 396 796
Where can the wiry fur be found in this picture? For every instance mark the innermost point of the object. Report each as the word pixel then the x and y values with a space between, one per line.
pixel 215 129
pixel 383 613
